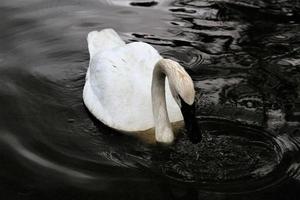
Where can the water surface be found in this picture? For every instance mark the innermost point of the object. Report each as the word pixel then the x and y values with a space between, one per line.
pixel 243 57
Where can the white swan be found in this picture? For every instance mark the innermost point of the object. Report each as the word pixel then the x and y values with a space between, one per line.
pixel 125 86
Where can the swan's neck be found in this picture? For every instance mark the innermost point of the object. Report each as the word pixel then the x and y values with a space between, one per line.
pixel 163 128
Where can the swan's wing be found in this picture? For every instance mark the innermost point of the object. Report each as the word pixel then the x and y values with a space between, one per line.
pixel 118 87
pixel 106 39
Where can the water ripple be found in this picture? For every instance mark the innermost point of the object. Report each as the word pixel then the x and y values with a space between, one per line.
pixel 246 72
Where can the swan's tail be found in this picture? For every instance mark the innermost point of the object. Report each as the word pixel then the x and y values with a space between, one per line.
pixel 103 40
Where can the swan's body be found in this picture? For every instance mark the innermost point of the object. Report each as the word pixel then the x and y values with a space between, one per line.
pixel 119 83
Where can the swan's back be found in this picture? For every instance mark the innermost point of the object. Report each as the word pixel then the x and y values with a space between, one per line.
pixel 118 83
pixel 99 41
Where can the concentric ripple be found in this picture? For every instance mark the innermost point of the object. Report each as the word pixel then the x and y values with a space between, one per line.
pixel 229 155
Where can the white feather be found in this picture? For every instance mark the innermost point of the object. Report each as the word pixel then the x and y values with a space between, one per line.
pixel 118 82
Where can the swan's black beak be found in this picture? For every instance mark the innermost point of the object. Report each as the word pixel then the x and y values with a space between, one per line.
pixel 193 130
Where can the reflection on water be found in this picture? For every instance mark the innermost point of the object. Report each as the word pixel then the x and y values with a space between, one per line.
pixel 243 57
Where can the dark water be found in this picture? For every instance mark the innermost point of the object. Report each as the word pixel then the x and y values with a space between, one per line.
pixel 245 61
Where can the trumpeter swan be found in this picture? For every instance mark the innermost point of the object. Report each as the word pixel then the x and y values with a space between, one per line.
pixel 126 87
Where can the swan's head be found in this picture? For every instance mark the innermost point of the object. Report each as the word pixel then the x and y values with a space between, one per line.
pixel 181 84
pixel 183 91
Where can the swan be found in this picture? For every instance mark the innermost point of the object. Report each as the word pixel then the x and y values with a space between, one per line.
pixel 132 88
